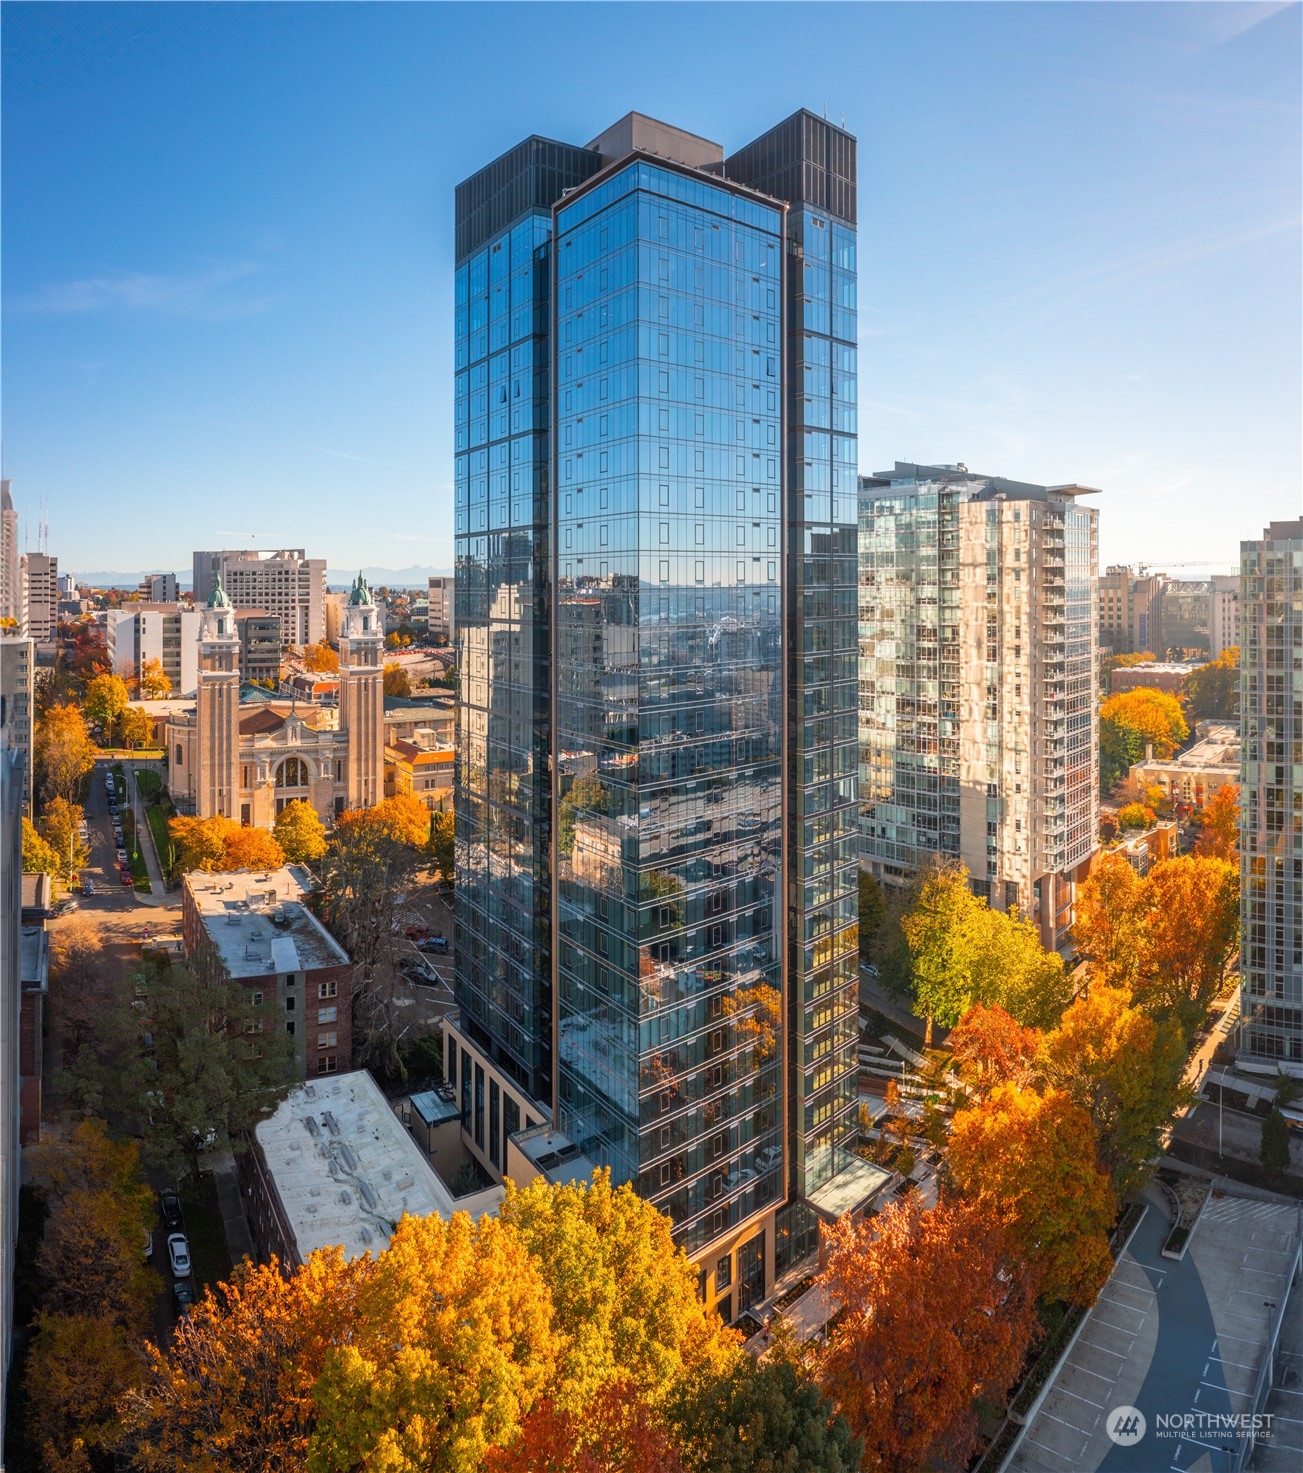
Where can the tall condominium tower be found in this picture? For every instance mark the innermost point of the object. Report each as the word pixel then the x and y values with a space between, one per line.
pixel 11 578
pixel 655 618
pixel 977 683
pixel 1271 797
pixel 39 615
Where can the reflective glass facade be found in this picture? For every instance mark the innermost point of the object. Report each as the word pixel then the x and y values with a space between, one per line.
pixel 656 600
pixel 669 688
pixel 502 518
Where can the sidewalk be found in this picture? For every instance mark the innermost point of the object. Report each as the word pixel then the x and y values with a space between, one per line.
pixel 145 838
pixel 234 1222
pixel 897 1011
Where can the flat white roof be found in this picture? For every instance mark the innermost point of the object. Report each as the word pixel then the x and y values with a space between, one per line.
pixel 258 923
pixel 346 1169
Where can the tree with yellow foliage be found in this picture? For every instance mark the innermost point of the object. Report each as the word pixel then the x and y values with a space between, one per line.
pixel 1189 930
pixel 300 832
pixel 219 844
pixel 154 684
pixel 451 1344
pixel 1031 1162
pixel 320 659
pixel 1106 930
pixel 1131 720
pixel 64 753
pixel 1219 825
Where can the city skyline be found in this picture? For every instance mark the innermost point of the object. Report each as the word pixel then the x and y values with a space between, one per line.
pixel 1111 294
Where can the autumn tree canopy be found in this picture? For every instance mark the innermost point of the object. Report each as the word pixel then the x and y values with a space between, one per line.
pixel 220 845
pixel 1213 690
pixel 397 681
pixel 1189 929
pixel 962 953
pixel 1130 720
pixel 1030 1161
pixel 300 832
pixel 937 1315
pixel 1107 927
pixel 1219 825
pixel 443 845
pixel 990 1048
pixel 106 700
pixel 153 682
pixel 320 659
pixel 64 753
pixel 60 828
pixel 38 856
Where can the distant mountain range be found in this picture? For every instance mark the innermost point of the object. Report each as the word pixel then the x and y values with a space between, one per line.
pixel 412 577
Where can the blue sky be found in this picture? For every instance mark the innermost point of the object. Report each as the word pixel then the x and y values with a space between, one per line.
pixel 227 248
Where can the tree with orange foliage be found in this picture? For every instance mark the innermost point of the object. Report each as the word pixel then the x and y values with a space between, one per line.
pixel 234 1389
pixel 219 845
pixel 320 659
pixel 1125 1069
pixel 1136 816
pixel 617 1432
pixel 990 1048
pixel 250 848
pixel 1107 927
pixel 1219 825
pixel 1031 1162
pixel 937 1316
pixel 1189 929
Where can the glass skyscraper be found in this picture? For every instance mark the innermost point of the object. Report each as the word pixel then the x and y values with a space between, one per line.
pixel 655 614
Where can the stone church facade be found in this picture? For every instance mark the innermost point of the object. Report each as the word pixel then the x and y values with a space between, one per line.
pixel 248 762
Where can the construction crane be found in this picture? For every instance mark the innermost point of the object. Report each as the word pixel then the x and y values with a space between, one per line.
pixel 1143 568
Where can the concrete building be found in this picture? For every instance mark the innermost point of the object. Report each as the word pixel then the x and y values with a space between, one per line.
pixel 439 611
pixel 287 583
pixel 247 760
pixel 168 633
pixel 261 642
pixel 1224 614
pixel 159 588
pixel 67 587
pixel 1164 675
pixel 1271 799
pixel 1186 611
pixel 655 455
pixel 258 930
pixel 39 619
pixel 334 1167
pixel 1190 778
pixel 1130 611
pixel 11 576
pixel 978 737
pixel 18 705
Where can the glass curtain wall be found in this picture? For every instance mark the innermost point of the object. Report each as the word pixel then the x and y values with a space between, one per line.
pixel 502 514
pixel 669 690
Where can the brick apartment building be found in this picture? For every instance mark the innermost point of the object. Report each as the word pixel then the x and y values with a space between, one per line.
pixel 257 928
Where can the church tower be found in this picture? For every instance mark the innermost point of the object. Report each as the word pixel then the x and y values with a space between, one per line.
pixel 361 696
pixel 217 710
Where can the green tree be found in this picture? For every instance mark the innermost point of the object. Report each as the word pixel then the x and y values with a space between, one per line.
pixel 872 914
pixel 963 953
pixel 38 857
pixel 223 1063
pixel 59 829
pixel 136 727
pixel 106 700
pixel 1274 1152
pixel 1213 690
pixel 443 847
pixel 300 832
pixel 64 753
pixel 766 1418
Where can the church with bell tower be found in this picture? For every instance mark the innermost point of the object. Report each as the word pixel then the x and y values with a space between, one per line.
pixel 247 761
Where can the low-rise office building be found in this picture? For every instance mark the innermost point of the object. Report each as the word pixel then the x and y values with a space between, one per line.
pixel 257 928
pixel 421 768
pixel 335 1167
pixel 1164 675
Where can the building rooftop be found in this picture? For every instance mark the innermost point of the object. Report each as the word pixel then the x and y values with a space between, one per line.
pixel 258 924
pixel 985 487
pixel 554 1154
pixel 38 893
pixel 435 1107
pixel 346 1170
pixel 34 959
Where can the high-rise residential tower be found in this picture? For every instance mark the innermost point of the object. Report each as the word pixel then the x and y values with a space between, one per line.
pixel 11 579
pixel 39 615
pixel 977 683
pixel 1271 798
pixel 655 619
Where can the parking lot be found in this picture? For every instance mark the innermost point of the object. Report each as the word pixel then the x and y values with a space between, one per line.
pixel 1171 1338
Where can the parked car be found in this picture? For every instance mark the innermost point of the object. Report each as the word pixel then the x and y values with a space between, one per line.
pixel 63 906
pixel 87 885
pixel 437 944
pixel 171 1206
pixel 178 1252
pixel 122 856
pixel 125 875
pixel 149 1245
pixel 183 1295
pixel 418 933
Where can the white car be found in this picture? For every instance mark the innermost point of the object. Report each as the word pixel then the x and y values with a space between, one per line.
pixel 178 1251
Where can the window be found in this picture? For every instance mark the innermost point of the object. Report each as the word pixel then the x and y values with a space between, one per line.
pixel 289 1004
pixel 326 989
pixel 327 1064
pixel 495 1100
pixel 327 1040
pixel 289 1028
pixel 257 999
pixel 327 1015
pixel 724 1272
pixel 479 1105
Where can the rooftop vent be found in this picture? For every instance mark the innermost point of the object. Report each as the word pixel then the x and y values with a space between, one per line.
pixel 329 1121
pixel 368 1196
pixel 350 1160
pixel 314 1129
pixel 346 1197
